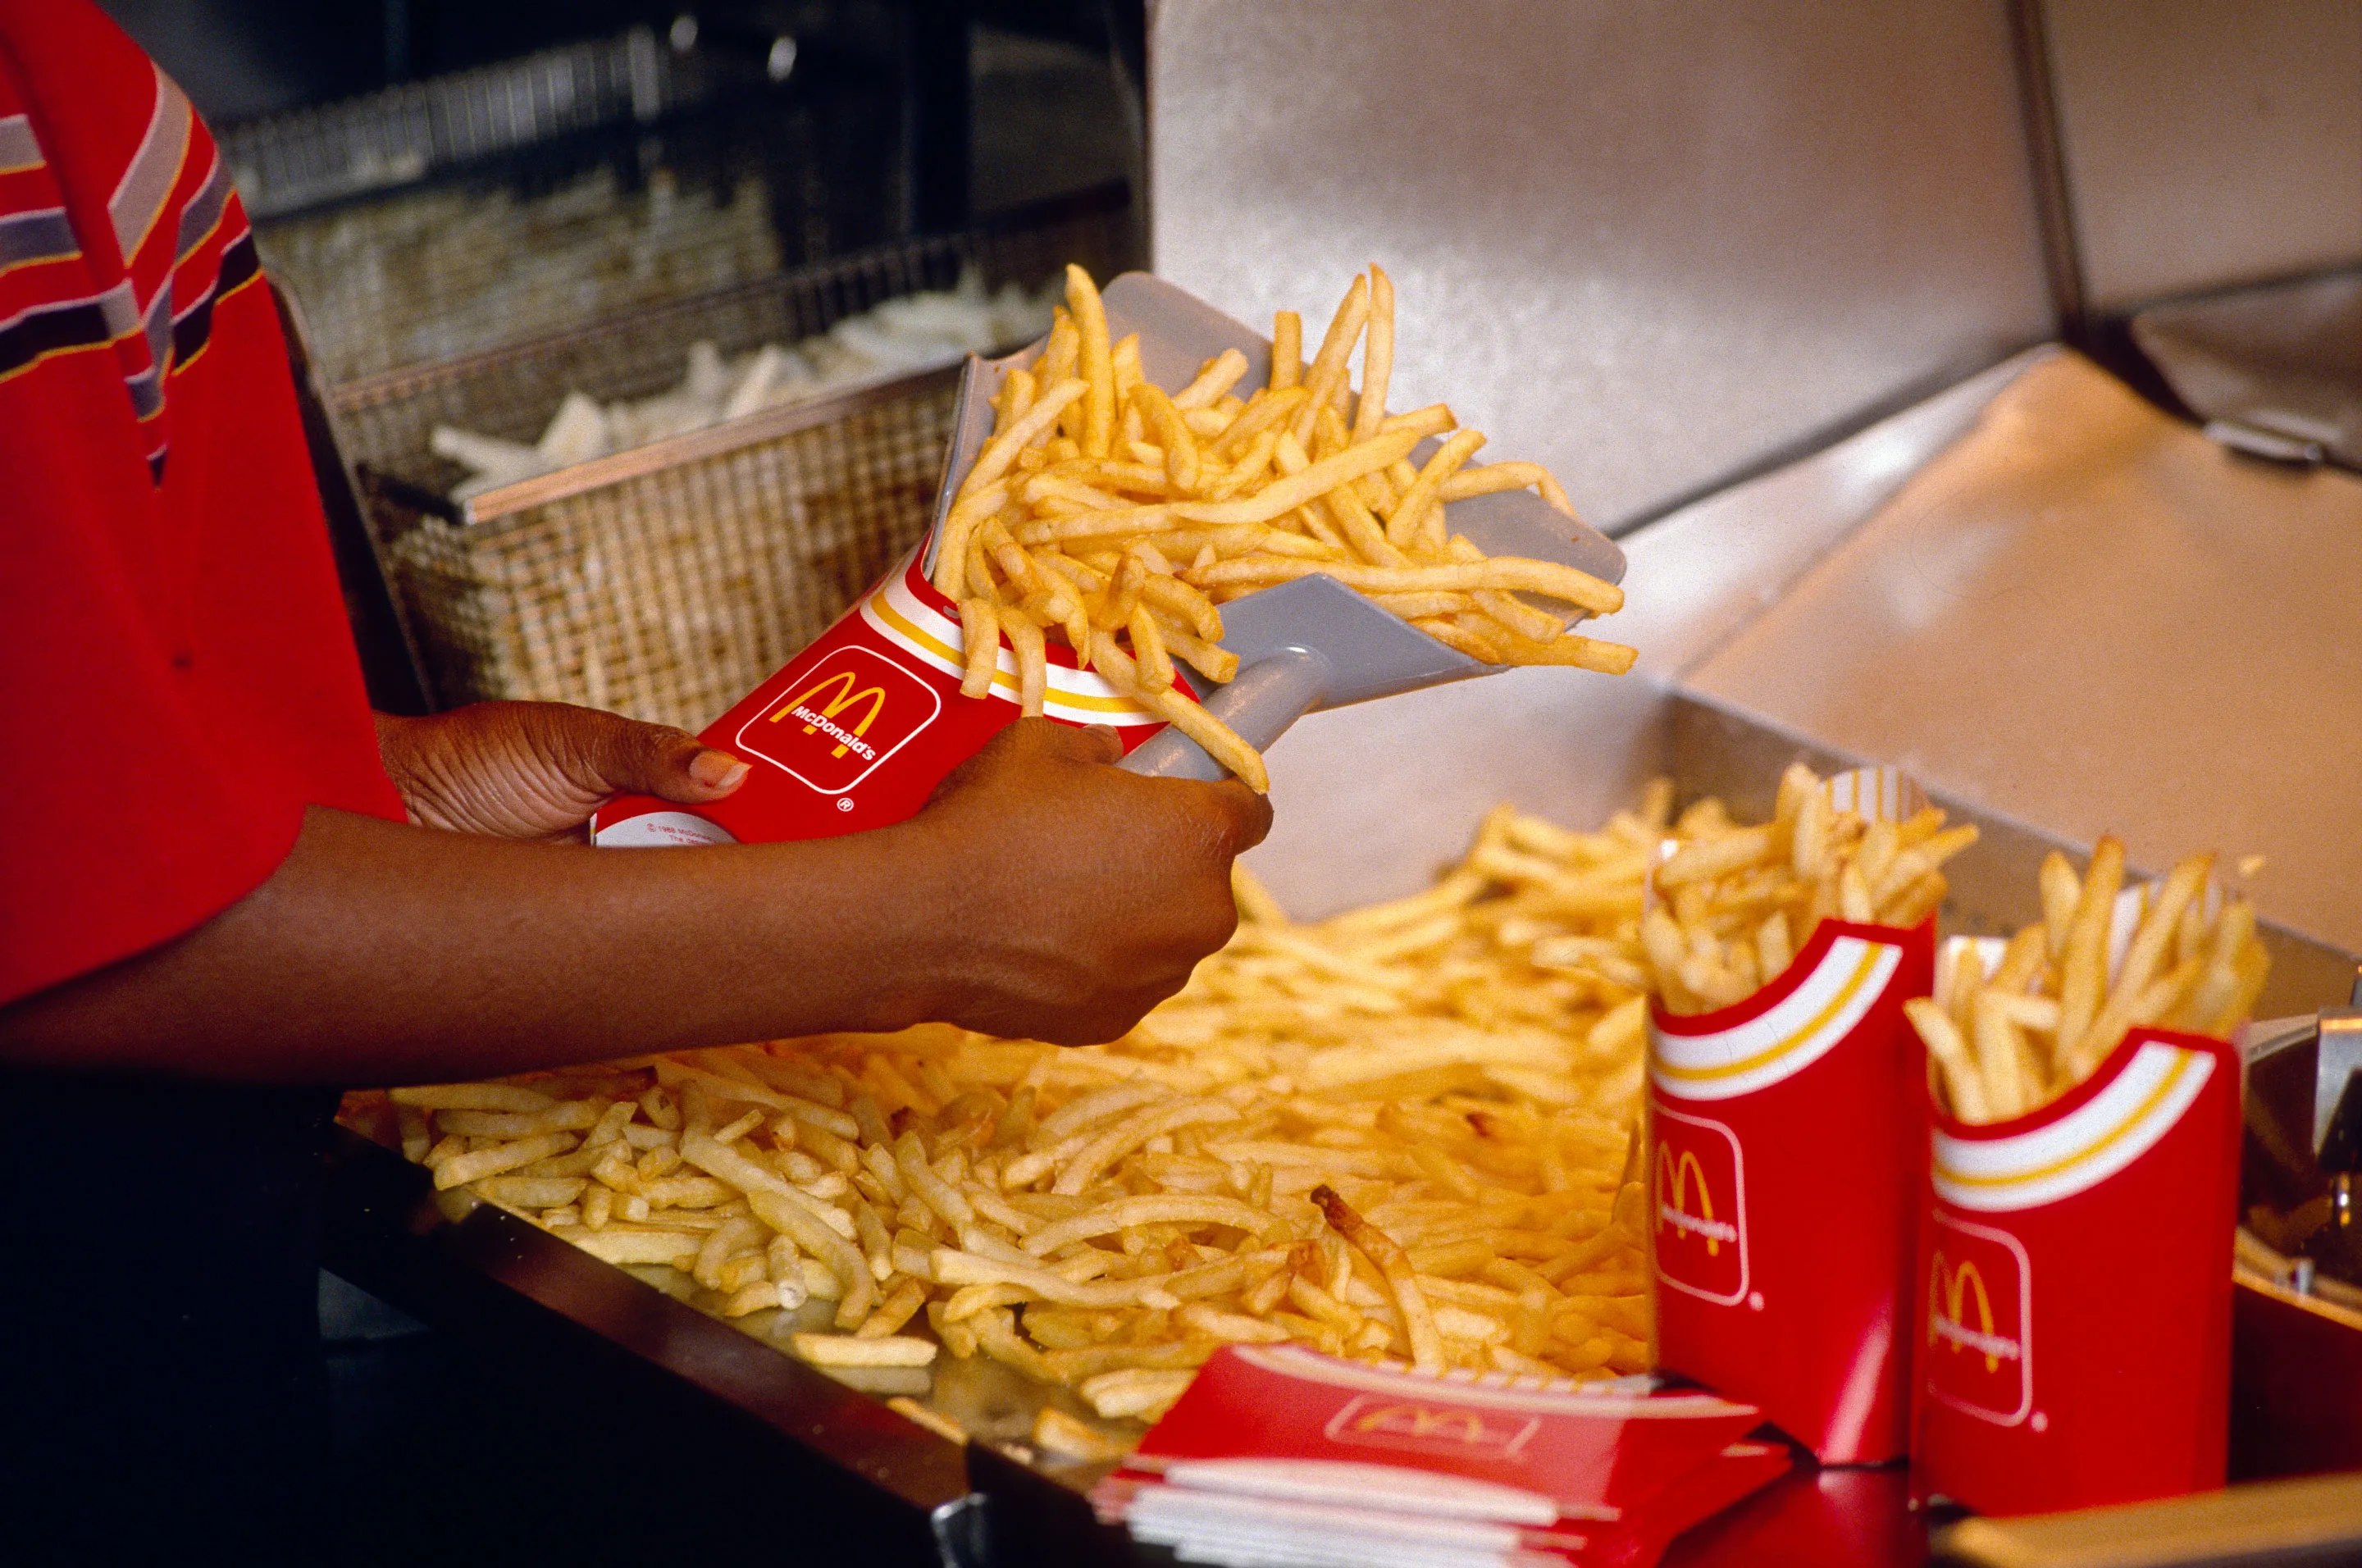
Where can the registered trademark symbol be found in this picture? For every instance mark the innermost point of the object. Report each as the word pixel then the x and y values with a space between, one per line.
pixel 844 802
pixel 2041 1422
pixel 1755 1302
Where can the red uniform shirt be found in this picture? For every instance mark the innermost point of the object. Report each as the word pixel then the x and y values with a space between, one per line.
pixel 177 679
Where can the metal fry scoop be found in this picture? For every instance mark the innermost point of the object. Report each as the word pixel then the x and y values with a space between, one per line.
pixel 1312 643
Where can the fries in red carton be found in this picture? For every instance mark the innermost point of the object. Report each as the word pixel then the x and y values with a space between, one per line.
pixel 1787 1127
pixel 1086 552
pixel 1278 1453
pixel 2075 1289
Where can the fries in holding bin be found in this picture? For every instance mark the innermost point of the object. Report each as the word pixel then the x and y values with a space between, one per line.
pixel 1786 1132
pixel 1406 1134
pixel 2074 1270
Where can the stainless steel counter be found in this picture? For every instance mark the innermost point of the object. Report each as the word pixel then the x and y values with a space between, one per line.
pixel 2084 616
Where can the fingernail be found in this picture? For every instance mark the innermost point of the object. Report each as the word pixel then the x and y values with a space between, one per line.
pixel 716 770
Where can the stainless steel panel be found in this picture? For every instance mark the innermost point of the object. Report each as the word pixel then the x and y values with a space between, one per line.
pixel 2086 616
pixel 1649 244
pixel 2282 360
pixel 1367 801
pixel 2208 142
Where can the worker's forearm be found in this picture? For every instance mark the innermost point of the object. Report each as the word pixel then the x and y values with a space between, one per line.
pixel 1040 893
pixel 383 954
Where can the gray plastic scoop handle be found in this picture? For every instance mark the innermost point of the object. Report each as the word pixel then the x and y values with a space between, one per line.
pixel 1259 705
pixel 1301 646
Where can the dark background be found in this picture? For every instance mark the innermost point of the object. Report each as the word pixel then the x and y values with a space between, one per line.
pixel 998 102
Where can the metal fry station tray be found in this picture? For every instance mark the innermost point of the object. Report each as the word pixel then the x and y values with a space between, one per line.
pixel 1784 618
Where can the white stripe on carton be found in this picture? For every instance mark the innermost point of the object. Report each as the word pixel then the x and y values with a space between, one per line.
pixel 2081 1149
pixel 1795 1033
pixel 902 618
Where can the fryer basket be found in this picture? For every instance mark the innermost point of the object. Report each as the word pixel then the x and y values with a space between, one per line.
pixel 665 581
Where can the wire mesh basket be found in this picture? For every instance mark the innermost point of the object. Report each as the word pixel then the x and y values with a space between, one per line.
pixel 665 581
pixel 445 270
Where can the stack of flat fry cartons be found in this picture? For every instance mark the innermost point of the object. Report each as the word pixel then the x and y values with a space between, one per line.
pixel 1278 1454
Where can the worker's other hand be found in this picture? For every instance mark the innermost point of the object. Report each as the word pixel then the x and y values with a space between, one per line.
pixel 537 770
pixel 1076 896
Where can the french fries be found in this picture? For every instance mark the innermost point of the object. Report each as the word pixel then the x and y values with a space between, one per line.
pixel 1116 517
pixel 1401 1135
pixel 2008 1037
pixel 1735 905
pixel 848 1350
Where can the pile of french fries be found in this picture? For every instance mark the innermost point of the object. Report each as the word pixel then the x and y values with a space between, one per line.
pixel 1117 517
pixel 1405 1134
pixel 1735 903
pixel 2006 1040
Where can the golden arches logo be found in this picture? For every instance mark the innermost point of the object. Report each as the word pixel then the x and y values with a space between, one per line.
pixel 1949 1289
pixel 1683 1171
pixel 1421 1421
pixel 824 717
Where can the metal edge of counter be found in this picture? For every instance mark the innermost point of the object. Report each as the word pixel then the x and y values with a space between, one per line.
pixel 491 1274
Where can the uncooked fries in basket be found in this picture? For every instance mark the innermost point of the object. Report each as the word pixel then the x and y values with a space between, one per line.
pixel 1119 516
pixel 2009 1040
pixel 1403 1134
pixel 1736 903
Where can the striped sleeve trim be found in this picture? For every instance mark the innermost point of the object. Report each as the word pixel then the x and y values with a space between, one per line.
pixel 19 149
pixel 203 212
pixel 45 234
pixel 147 183
pixel 184 242
pixel 43 332
pixel 192 329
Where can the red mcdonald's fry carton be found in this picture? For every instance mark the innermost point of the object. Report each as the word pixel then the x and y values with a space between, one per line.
pixel 1787 1143
pixel 856 730
pixel 2075 1293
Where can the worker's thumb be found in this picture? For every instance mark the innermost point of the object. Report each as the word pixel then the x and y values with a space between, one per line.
pixel 630 758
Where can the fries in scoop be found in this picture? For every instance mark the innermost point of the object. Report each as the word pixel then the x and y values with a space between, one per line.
pixel 1117 516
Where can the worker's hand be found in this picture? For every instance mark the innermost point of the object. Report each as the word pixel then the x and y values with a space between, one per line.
pixel 1073 896
pixel 537 770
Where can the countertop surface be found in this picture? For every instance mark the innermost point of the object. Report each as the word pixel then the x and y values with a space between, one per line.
pixel 2086 616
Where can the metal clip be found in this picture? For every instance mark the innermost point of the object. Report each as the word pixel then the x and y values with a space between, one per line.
pixel 959 1531
pixel 2339 1058
pixel 2253 437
